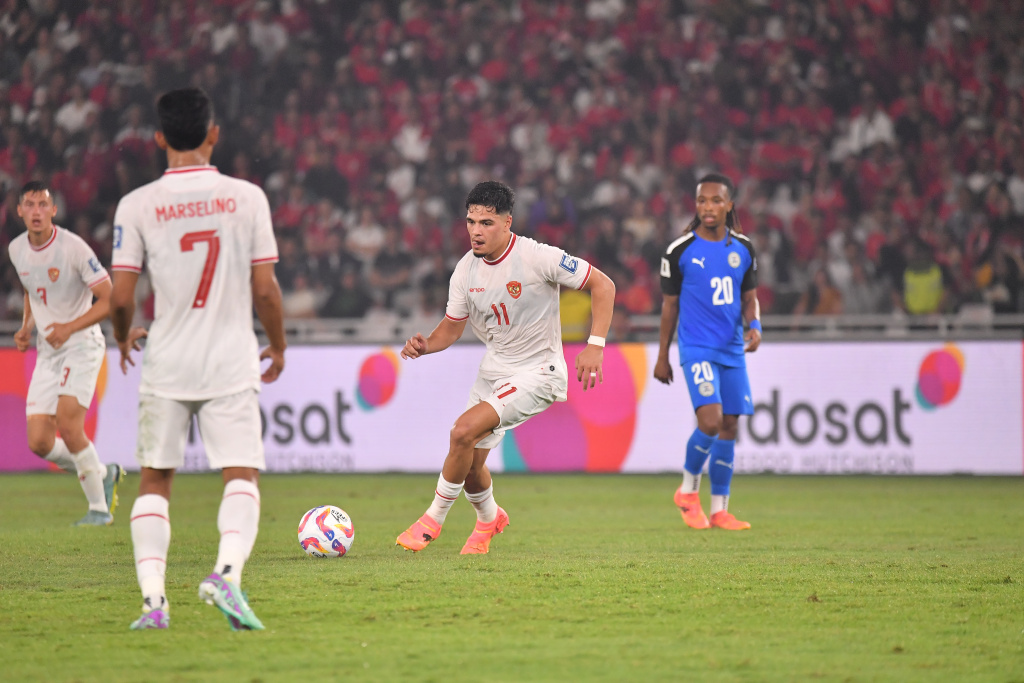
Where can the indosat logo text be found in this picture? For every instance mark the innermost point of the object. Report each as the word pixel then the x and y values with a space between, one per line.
pixel 870 423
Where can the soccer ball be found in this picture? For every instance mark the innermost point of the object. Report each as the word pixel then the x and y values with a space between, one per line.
pixel 326 531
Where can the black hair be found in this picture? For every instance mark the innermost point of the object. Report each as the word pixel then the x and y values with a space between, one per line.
pixel 491 194
pixel 33 186
pixel 185 117
pixel 732 221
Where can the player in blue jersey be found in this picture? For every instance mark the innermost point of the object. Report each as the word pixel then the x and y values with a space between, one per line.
pixel 709 288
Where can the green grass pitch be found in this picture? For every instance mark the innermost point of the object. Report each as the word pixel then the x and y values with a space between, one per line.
pixel 597 578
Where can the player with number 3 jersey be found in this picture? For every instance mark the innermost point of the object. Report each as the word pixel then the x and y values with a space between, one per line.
pixel 506 289
pixel 208 244
pixel 709 288
pixel 61 275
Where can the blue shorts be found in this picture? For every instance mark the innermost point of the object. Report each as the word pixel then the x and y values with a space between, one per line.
pixel 710 382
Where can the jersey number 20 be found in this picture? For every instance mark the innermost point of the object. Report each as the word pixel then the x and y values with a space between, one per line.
pixel 188 241
pixel 723 291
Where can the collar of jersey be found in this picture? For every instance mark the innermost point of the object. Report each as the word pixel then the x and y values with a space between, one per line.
pixel 53 236
pixel 508 250
pixel 190 169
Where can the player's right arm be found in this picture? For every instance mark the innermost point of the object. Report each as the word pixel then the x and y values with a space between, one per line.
pixel 447 332
pixel 23 337
pixel 126 264
pixel 451 327
pixel 671 288
pixel 266 298
pixel 669 320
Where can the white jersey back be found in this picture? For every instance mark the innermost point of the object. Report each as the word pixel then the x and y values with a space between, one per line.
pixel 58 277
pixel 200 233
pixel 512 304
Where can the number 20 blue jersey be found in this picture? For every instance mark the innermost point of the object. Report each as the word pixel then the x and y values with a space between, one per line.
pixel 709 278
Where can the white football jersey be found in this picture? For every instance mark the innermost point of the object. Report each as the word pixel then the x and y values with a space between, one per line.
pixel 512 304
pixel 199 233
pixel 58 277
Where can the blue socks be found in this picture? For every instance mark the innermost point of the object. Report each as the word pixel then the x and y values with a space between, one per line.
pixel 720 470
pixel 698 449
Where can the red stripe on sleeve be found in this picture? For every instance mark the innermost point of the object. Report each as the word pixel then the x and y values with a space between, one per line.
pixel 458 320
pixel 586 277
pixel 134 269
pixel 269 259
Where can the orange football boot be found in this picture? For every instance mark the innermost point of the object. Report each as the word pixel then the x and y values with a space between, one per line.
pixel 416 537
pixel 693 513
pixel 724 520
pixel 479 542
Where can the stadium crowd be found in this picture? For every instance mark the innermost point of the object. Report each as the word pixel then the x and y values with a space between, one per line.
pixel 877 144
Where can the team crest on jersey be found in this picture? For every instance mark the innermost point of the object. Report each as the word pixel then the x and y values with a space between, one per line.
pixel 54 273
pixel 514 288
pixel 734 259
pixel 706 389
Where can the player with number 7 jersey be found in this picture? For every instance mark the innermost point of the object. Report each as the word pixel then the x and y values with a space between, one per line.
pixel 199 233
pixel 208 244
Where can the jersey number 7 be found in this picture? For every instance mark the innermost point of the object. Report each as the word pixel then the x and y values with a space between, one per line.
pixel 188 241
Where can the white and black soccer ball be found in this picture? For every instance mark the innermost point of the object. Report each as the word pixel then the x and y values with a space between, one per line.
pixel 326 531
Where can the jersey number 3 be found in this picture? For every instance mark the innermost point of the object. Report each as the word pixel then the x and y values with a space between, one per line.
pixel 188 241
pixel 723 291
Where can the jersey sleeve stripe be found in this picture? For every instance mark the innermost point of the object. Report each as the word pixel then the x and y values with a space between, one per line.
pixel 458 320
pixel 97 281
pixel 586 277
pixel 269 259
pixel 134 269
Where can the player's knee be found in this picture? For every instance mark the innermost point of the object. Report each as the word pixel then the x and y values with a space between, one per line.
pixel 463 436
pixel 711 425
pixel 729 428
pixel 40 444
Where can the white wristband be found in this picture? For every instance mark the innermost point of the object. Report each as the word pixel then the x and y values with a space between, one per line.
pixel 596 341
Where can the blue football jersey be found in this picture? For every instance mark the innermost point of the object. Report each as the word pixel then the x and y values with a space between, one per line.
pixel 709 278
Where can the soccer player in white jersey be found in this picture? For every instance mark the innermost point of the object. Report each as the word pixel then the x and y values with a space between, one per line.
pixel 208 243
pixel 506 287
pixel 61 276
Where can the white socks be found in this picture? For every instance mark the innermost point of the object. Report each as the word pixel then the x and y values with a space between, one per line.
pixel 151 535
pixel 719 503
pixel 238 521
pixel 691 482
pixel 445 494
pixel 61 456
pixel 91 473
pixel 486 508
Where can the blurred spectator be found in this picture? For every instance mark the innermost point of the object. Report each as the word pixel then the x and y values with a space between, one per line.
pixel 820 297
pixel 851 129
pixel 924 288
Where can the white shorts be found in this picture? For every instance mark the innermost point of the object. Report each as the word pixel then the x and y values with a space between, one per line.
pixel 229 427
pixel 70 371
pixel 516 399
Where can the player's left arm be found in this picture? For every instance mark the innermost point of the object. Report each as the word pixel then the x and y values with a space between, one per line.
pixel 602 306
pixel 752 317
pixel 266 298
pixel 751 307
pixel 58 333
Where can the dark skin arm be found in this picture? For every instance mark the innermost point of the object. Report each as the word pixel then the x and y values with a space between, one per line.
pixel 667 330
pixel 751 312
